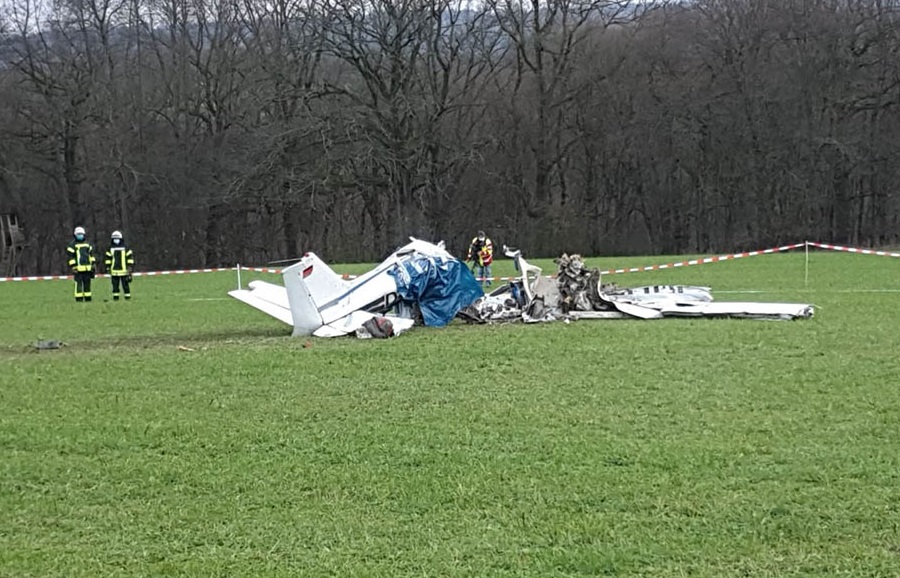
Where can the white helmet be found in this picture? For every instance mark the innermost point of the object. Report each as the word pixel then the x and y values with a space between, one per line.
pixel 117 234
pixel 79 231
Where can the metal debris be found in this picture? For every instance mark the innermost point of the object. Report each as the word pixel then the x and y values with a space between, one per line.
pixel 578 293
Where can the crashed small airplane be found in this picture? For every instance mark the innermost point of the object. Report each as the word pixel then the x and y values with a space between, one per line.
pixel 424 282
pixel 419 280
pixel 578 293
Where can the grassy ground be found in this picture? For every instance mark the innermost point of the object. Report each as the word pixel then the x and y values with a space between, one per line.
pixel 627 448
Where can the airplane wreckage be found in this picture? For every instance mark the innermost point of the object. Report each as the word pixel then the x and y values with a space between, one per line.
pixel 423 283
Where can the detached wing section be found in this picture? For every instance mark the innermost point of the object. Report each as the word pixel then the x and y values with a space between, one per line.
pixel 268 298
pixel 674 306
pixel 749 310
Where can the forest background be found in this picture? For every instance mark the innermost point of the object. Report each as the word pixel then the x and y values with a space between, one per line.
pixel 221 131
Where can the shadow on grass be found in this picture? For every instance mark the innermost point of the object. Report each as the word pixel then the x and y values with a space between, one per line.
pixel 198 337
pixel 154 340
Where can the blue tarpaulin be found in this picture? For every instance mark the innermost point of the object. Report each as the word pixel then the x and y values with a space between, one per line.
pixel 441 287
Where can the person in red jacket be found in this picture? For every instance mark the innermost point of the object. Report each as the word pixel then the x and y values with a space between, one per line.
pixel 481 253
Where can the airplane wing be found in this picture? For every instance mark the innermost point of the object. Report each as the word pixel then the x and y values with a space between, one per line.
pixel 752 310
pixel 268 298
pixel 639 311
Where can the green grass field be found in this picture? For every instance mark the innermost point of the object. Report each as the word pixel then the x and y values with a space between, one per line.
pixel 679 447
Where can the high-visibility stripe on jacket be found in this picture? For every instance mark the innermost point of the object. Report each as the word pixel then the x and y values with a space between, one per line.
pixel 118 260
pixel 482 249
pixel 80 256
pixel 486 255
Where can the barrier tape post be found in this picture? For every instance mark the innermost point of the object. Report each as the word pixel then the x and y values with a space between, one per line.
pixel 239 276
pixel 806 271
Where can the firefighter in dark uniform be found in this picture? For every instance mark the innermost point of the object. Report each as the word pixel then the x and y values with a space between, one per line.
pixel 81 261
pixel 119 263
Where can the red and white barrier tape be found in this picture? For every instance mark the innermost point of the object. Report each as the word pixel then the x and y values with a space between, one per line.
pixel 347 276
pixel 101 275
pixel 344 276
pixel 852 249
pixel 688 263
pixel 258 269
pixel 180 272
pixel 703 261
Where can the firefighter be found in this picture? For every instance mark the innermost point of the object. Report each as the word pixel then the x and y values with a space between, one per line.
pixel 81 261
pixel 119 264
pixel 481 253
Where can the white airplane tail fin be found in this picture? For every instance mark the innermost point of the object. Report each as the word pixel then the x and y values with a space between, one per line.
pixel 311 285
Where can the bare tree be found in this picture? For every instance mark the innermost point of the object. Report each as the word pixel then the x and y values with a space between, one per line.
pixel 548 38
pixel 412 72
pixel 225 130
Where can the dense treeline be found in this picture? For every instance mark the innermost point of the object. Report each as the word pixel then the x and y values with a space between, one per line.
pixel 223 131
